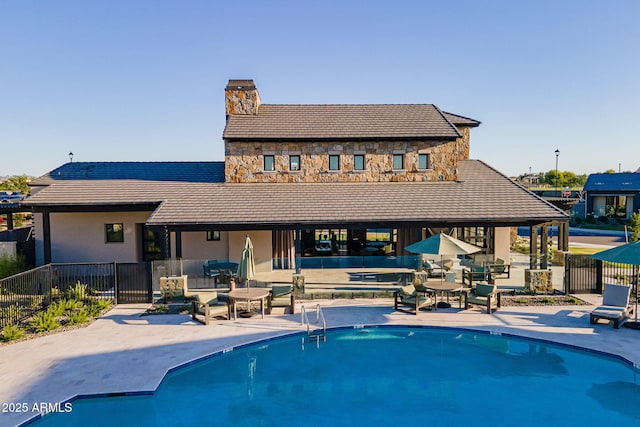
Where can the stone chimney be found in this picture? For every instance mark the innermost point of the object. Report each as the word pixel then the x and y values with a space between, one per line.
pixel 241 97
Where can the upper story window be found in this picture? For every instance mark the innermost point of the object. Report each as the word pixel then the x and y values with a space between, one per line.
pixel 294 162
pixel 114 233
pixel 358 162
pixel 269 163
pixel 423 161
pixel 213 236
pixel 398 161
pixel 334 162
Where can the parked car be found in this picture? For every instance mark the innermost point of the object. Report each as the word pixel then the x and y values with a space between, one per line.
pixel 10 197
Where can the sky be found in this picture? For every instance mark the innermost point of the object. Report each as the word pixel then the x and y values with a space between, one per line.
pixel 138 80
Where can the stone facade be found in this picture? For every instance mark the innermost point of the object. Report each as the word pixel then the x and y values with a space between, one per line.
pixel 244 161
pixel 241 97
pixel 538 281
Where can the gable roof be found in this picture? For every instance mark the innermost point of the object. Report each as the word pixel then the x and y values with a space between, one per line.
pixel 620 182
pixel 363 121
pixel 459 120
pixel 148 171
pixel 482 195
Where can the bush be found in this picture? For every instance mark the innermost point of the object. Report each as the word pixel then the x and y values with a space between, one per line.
pixel 97 306
pixel 44 321
pixel 77 291
pixel 78 317
pixel 12 333
pixel 10 265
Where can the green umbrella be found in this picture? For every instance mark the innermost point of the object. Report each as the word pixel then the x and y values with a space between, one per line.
pixel 247 266
pixel 625 254
pixel 442 244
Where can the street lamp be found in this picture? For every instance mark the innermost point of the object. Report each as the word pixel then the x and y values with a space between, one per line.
pixel 557 153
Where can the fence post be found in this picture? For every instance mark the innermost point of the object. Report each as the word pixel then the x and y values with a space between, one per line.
pixel 599 276
pixel 115 283
pixel 567 273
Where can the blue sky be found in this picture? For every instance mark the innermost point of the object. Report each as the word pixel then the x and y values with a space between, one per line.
pixel 142 80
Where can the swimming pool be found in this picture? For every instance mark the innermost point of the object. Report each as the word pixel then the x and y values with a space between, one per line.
pixel 380 376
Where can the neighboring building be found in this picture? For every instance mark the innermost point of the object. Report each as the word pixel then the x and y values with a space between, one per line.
pixel 615 195
pixel 293 175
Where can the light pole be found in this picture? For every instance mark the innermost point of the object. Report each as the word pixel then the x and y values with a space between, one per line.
pixel 557 154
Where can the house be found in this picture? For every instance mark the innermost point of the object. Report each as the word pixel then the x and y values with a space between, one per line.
pixel 371 179
pixel 615 195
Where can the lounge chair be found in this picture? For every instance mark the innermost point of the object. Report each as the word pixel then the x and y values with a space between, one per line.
pixel 281 296
pixel 409 296
pixel 483 294
pixel 615 305
pixel 206 304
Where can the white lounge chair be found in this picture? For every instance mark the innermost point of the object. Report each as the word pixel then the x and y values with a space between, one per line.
pixel 615 305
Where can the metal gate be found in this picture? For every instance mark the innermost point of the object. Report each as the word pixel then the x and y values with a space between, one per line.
pixel 583 274
pixel 133 283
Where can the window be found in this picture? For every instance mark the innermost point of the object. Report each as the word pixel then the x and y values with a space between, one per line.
pixel 398 161
pixel 269 163
pixel 114 233
pixel 616 206
pixel 334 162
pixel 213 236
pixel 294 163
pixel 358 162
pixel 423 161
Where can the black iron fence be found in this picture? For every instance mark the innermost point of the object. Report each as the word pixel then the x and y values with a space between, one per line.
pixel 584 274
pixel 24 294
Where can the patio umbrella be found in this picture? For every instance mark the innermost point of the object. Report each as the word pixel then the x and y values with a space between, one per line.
pixel 246 267
pixel 625 254
pixel 442 244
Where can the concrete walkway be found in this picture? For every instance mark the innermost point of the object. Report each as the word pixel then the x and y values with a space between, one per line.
pixel 126 352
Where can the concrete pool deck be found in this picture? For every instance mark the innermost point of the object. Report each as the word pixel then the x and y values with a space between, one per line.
pixel 123 351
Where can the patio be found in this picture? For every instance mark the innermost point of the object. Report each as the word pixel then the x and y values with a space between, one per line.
pixel 125 352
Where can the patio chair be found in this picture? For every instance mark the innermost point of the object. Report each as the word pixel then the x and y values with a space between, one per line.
pixel 474 274
pixel 409 296
pixel 432 269
pixel 483 294
pixel 206 304
pixel 281 296
pixel 615 305
pixel 500 267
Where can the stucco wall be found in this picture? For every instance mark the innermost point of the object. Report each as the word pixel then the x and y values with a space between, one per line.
pixel 502 243
pixel 196 246
pixel 80 237
pixel 262 243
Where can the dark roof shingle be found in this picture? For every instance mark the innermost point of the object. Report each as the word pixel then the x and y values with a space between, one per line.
pixel 341 122
pixel 482 194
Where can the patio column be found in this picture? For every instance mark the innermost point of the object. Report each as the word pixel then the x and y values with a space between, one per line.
pixel 178 244
pixel 298 250
pixel 533 247
pixel 544 247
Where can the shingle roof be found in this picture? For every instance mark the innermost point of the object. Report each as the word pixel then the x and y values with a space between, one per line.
pixel 148 171
pixel 459 120
pixel 482 195
pixel 341 122
pixel 628 181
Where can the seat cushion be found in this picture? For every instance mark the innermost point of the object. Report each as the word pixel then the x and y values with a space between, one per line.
pixel 408 290
pixel 609 312
pixel 281 290
pixel 484 289
pixel 616 295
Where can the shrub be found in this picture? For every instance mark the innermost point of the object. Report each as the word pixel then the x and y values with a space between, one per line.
pixel 56 308
pixel 97 306
pixel 12 333
pixel 44 321
pixel 78 317
pixel 10 265
pixel 77 291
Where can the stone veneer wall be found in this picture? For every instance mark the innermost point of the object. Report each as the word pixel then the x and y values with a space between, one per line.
pixel 244 161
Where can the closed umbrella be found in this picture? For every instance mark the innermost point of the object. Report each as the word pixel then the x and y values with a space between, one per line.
pixel 625 254
pixel 247 266
pixel 442 244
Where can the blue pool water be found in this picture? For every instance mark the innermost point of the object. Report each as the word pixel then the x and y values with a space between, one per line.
pixel 382 376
